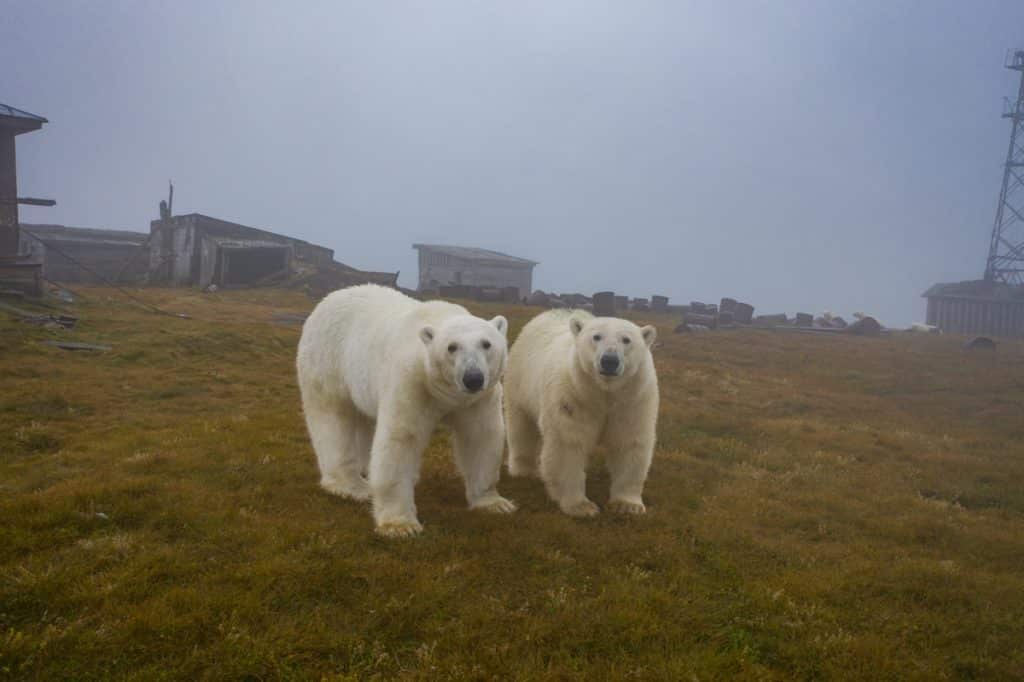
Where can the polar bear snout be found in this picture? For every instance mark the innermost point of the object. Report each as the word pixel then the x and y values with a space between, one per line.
pixel 473 379
pixel 610 364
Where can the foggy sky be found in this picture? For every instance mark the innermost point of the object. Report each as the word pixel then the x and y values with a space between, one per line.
pixel 825 155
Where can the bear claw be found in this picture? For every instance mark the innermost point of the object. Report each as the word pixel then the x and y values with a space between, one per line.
pixel 399 529
pixel 581 509
pixel 495 505
pixel 626 507
pixel 354 491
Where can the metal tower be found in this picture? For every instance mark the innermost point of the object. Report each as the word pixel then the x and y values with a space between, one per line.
pixel 1006 250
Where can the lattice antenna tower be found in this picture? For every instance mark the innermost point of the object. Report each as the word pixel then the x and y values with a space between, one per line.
pixel 1006 250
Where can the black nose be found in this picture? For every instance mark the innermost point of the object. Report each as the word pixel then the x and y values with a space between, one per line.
pixel 609 363
pixel 473 380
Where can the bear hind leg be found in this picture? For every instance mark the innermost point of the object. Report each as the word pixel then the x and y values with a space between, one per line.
pixel 523 443
pixel 341 439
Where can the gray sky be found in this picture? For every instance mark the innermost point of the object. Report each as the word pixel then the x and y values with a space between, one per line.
pixel 807 156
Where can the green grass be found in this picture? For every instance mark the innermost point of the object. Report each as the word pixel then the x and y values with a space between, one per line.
pixel 819 508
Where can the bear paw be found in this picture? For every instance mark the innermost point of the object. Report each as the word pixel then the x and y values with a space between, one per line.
pixel 359 490
pixel 627 507
pixel 581 509
pixel 399 529
pixel 496 504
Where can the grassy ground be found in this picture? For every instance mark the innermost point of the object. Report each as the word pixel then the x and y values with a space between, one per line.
pixel 818 508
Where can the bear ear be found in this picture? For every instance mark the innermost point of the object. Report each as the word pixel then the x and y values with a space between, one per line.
pixel 426 335
pixel 575 325
pixel 501 324
pixel 649 333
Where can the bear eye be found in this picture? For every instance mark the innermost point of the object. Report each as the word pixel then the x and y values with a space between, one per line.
pixel 626 340
pixel 486 344
pixel 597 337
pixel 452 347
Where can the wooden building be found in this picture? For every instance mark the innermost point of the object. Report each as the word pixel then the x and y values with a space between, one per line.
pixel 107 255
pixel 442 265
pixel 17 269
pixel 977 307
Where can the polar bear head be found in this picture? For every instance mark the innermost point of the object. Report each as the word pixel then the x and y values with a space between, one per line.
pixel 465 354
pixel 611 349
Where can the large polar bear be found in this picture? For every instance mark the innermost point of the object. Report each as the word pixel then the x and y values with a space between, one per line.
pixel 378 371
pixel 575 381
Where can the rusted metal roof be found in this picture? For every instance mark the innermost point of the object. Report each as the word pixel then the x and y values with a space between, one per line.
pixel 474 254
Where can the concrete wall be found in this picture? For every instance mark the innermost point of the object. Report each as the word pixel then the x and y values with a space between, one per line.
pixel 174 253
pixel 184 253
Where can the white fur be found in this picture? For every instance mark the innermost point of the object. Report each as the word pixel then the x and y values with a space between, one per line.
pixel 559 407
pixel 376 376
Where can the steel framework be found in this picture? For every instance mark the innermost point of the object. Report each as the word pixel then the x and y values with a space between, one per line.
pixel 1006 250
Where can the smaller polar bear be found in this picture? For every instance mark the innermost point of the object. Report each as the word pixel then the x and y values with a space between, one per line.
pixel 377 371
pixel 575 381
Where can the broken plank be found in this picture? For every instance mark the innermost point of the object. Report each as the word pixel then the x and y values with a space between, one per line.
pixel 75 345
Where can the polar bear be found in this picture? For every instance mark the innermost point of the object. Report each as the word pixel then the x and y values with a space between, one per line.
pixel 377 372
pixel 575 381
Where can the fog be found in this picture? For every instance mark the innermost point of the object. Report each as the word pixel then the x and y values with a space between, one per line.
pixel 805 156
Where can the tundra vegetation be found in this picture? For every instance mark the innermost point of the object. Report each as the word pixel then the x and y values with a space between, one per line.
pixel 817 508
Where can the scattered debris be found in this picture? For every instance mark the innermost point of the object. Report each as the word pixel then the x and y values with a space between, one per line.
pixel 702 319
pixel 687 328
pixel 604 304
pixel 46 320
pixel 538 297
pixel 743 313
pixel 75 345
pixel 777 320
pixel 15 311
pixel 864 326
pixel 979 343
pixel 52 321
pixel 290 318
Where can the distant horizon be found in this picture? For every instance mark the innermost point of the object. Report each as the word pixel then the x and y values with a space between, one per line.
pixel 801 157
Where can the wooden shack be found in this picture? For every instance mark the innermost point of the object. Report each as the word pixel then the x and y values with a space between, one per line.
pixel 441 266
pixel 17 269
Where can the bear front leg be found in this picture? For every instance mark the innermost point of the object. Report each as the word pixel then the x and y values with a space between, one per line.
pixel 394 469
pixel 563 461
pixel 479 446
pixel 630 450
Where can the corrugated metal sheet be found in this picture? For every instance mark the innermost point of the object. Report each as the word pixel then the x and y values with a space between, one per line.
pixel 977 307
pixel 977 316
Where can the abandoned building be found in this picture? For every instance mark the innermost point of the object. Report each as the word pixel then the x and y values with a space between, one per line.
pixel 977 307
pixel 442 265
pixel 17 269
pixel 197 250
pixel 107 255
